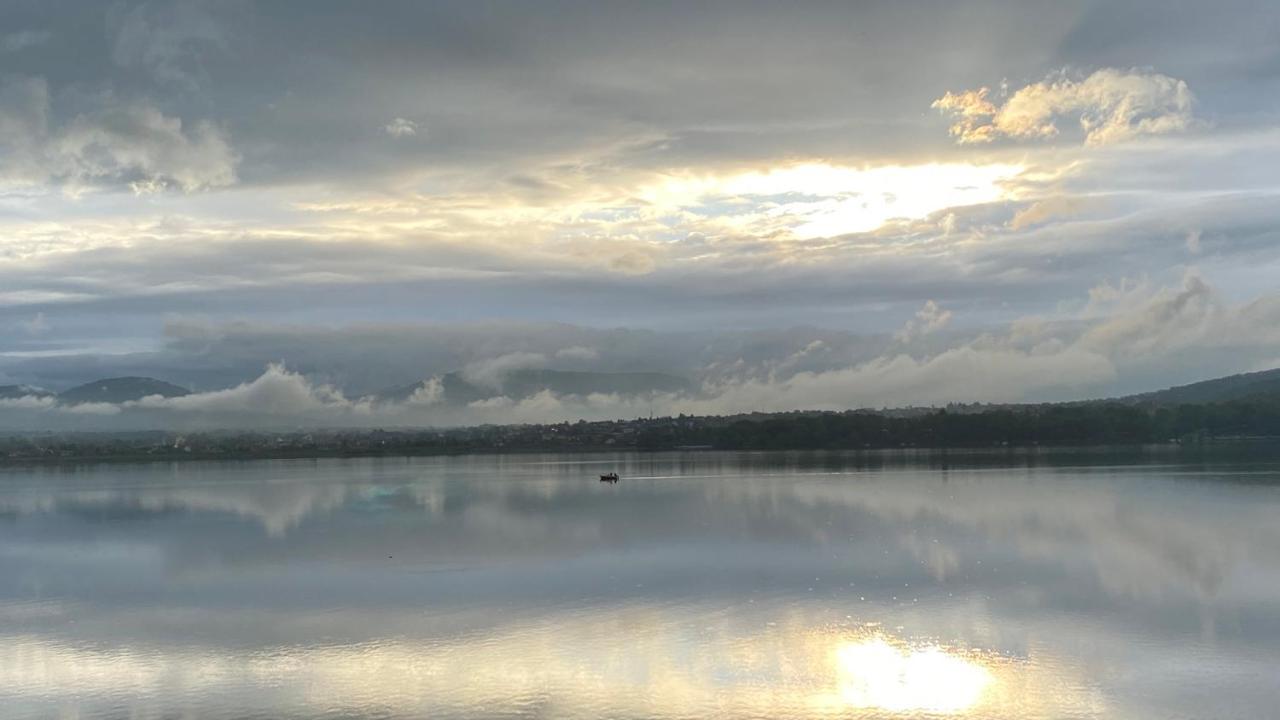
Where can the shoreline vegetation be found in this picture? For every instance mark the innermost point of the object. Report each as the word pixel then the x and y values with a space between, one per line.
pixel 956 427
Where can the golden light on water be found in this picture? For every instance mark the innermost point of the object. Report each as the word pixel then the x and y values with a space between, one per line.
pixel 876 674
pixel 633 663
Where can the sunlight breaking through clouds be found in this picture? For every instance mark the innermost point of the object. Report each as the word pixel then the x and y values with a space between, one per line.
pixel 815 200
pixel 1111 105
pixel 998 165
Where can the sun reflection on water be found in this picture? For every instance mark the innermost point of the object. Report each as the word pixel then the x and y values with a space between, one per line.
pixel 876 674
pixel 632 662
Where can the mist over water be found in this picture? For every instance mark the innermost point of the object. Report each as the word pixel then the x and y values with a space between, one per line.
pixel 1015 585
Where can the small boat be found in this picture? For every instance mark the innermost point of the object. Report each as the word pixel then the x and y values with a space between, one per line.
pixel 609 477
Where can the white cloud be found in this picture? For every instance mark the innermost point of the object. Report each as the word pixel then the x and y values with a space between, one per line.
pixel 149 149
pixel 929 319
pixel 431 392
pixel 578 352
pixel 1047 209
pixel 29 402
pixel 132 144
pixel 1031 360
pixel 1110 106
pixel 967 373
pixel 490 372
pixel 1126 332
pixel 92 408
pixel 1192 242
pixel 401 127
pixel 277 392
pixel 1168 320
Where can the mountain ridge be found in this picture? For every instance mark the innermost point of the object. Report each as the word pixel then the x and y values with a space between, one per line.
pixel 120 389
pixel 1220 389
pixel 13 392
pixel 456 388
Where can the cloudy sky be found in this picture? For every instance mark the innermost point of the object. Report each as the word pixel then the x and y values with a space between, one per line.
pixel 791 205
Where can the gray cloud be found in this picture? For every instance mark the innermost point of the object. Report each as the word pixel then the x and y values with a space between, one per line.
pixel 400 127
pixel 23 39
pixel 116 142
pixel 578 352
pixel 634 168
pixel 1124 340
pixel 167 40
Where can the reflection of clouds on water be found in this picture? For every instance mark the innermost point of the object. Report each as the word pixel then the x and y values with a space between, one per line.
pixel 1144 540
pixel 276 506
pixel 500 523
pixel 942 560
pixel 708 581
pixel 675 662
pixel 1167 537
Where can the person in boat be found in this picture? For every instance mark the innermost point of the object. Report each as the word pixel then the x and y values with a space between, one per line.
pixel 609 477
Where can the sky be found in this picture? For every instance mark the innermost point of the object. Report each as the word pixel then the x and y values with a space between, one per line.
pixel 804 205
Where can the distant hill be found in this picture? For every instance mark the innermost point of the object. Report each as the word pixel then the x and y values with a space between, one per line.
pixel 519 384
pixel 457 390
pixel 121 389
pixel 1233 387
pixel 12 392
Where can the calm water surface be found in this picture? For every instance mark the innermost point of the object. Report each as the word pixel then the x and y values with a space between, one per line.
pixel 702 585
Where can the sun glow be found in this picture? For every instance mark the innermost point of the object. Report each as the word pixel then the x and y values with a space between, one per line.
pixel 818 200
pixel 576 660
pixel 875 673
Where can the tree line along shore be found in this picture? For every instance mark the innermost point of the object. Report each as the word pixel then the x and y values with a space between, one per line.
pixel 1076 424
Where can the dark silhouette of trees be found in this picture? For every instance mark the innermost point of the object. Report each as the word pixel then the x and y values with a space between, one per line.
pixel 1101 423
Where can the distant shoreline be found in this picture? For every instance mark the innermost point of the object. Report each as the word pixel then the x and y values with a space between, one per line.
pixel 969 451
pixel 1061 426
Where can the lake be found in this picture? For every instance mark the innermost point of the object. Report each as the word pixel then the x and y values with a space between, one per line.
pixel 999 585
